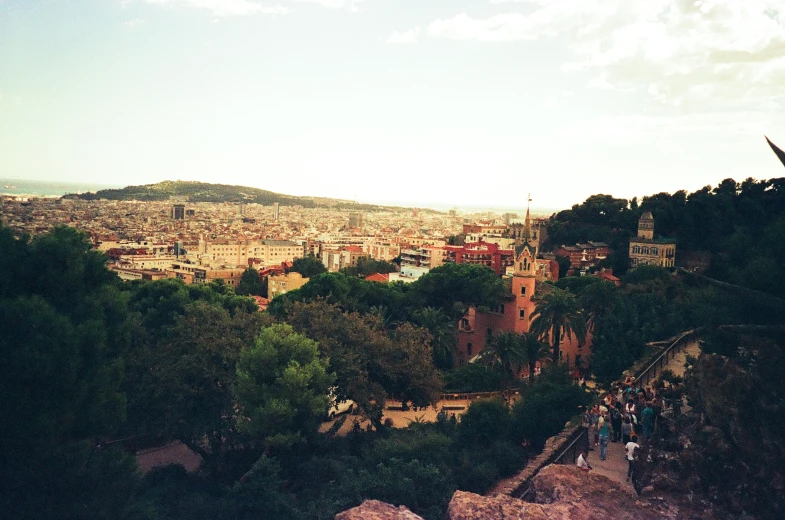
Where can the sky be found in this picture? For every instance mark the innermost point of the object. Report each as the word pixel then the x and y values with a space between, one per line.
pixel 422 102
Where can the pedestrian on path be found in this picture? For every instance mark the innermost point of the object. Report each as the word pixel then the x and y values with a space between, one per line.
pixel 605 436
pixel 629 450
pixel 616 420
pixel 647 421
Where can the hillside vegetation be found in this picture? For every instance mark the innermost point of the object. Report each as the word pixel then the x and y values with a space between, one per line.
pixel 206 192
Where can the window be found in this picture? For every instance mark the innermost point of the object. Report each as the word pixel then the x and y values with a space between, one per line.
pixel 636 249
pixel 523 290
pixel 469 349
pixel 645 250
pixel 654 251
pixel 522 314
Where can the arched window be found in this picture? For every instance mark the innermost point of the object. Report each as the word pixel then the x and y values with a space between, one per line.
pixel 654 250
pixel 636 249
pixel 645 250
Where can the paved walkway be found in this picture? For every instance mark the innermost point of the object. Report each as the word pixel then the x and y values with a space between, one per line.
pixel 615 465
pixel 677 363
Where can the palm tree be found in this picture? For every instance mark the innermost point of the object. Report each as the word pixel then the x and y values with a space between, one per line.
pixel 534 350
pixel 443 331
pixel 557 313
pixel 505 353
pixel 597 300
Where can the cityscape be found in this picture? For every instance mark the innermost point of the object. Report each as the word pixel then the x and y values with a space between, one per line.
pixel 392 259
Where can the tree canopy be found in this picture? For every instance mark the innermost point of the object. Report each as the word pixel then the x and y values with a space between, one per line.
pixel 308 266
pixel 282 387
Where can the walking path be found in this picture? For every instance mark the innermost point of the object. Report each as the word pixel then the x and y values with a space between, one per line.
pixel 615 466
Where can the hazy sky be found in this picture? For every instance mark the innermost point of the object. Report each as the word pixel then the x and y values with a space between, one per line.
pixel 449 101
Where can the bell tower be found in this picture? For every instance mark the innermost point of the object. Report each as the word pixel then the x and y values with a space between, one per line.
pixel 523 285
pixel 646 226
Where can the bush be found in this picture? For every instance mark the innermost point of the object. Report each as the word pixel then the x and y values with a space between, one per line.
pixel 473 377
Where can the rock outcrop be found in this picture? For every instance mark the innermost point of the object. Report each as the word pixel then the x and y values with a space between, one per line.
pixel 559 492
pixel 375 510
pixel 567 492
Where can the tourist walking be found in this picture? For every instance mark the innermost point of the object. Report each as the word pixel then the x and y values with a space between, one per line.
pixel 616 419
pixel 605 436
pixel 626 431
pixel 629 450
pixel 647 421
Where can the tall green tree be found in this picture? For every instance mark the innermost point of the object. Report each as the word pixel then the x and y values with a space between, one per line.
pixel 308 266
pixel 367 266
pixel 444 340
pixel 282 388
pixel 179 382
pixel 62 332
pixel 597 300
pixel 534 350
pixel 404 364
pixel 556 313
pixel 506 354
pixel 251 284
pixel 455 287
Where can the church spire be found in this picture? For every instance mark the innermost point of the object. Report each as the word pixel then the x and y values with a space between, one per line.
pixel 527 225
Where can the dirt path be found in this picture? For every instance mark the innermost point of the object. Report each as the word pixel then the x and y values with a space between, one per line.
pixel 400 419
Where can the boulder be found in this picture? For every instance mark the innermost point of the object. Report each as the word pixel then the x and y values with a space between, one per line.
pixel 559 492
pixel 375 510
pixel 566 492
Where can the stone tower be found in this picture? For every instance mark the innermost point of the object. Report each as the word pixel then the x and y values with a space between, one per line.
pixel 646 226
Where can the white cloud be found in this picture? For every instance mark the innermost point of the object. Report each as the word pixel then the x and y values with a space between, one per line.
pixel 409 36
pixel 222 8
pixel 350 5
pixel 136 22
pixel 683 53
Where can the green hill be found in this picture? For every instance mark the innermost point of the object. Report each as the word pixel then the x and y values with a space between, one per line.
pixel 205 192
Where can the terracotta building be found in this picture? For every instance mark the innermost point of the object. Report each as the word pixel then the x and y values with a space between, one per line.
pixel 477 329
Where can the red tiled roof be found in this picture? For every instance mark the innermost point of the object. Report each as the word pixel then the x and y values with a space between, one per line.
pixel 377 277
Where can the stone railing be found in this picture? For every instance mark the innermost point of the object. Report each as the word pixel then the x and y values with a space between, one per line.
pixel 571 438
pixel 654 368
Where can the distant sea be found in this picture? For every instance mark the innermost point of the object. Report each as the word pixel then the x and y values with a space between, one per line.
pixel 48 188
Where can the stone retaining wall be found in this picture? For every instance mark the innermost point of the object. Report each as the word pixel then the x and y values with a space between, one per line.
pixel 517 485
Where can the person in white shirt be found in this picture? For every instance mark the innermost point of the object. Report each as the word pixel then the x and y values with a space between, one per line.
pixel 629 449
pixel 583 461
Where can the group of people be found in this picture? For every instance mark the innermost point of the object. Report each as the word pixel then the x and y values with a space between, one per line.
pixel 624 414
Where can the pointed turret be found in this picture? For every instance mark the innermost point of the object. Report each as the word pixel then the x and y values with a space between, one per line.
pixel 527 224
pixel 525 255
